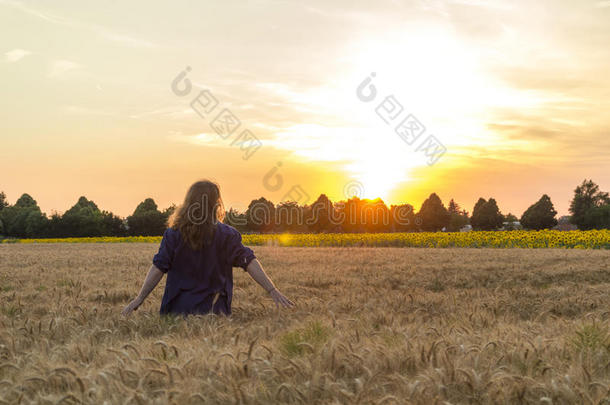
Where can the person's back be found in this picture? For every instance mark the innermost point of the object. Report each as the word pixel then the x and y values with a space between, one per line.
pixel 198 253
pixel 201 281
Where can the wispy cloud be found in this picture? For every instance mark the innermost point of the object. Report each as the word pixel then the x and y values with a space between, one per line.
pixel 168 112
pixel 124 39
pixel 16 55
pixel 28 10
pixel 101 31
pixel 203 139
pixel 60 67
pixel 81 110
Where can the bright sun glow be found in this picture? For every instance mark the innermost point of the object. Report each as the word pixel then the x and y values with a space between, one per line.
pixel 432 75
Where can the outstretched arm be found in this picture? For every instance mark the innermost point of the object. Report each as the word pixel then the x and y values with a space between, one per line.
pixel 152 279
pixel 258 274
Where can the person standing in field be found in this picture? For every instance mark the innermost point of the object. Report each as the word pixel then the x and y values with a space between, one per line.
pixel 198 253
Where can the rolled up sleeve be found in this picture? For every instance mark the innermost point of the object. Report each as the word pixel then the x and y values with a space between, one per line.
pixel 239 255
pixel 163 258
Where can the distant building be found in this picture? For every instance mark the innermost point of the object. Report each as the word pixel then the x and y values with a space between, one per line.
pixel 564 224
pixel 511 226
pixel 466 228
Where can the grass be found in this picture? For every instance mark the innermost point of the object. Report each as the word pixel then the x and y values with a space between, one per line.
pixel 592 337
pixel 384 326
pixel 311 337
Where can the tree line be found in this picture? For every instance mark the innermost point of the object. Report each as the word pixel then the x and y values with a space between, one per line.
pixel 589 209
pixel 24 219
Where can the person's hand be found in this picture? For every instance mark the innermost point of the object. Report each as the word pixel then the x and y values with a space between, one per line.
pixel 132 306
pixel 280 299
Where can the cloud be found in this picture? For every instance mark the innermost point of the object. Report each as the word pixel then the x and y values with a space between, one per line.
pixel 125 39
pixel 33 12
pixel 81 110
pixel 359 151
pixel 16 55
pixel 549 139
pixel 167 112
pixel 101 31
pixel 61 66
pixel 203 139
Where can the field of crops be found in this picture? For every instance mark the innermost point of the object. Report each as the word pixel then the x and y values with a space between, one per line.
pixel 504 239
pixel 371 326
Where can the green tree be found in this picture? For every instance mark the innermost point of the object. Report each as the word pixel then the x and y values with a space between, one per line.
pixel 24 219
pixel 403 218
pixel 145 206
pixel 236 219
pixel 493 215
pixel 3 202
pixel 55 227
pixel 458 218
pixel 453 207
pixel 83 219
pixel 587 197
pixel 375 216
pixel 477 212
pixel 290 217
pixel 147 220
pixel 433 215
pixel 351 215
pixel 486 215
pixel 510 218
pixel 511 222
pixel 26 201
pixel 362 215
pixel 540 215
pixel 260 215
pixel 320 214
pixel 112 225
pixel 598 218
pixel 169 211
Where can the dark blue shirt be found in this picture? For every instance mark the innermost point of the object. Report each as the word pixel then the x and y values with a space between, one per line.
pixel 199 282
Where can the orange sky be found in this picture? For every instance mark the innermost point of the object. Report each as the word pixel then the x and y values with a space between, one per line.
pixel 518 94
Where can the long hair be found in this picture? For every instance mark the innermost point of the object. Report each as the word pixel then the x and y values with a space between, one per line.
pixel 197 217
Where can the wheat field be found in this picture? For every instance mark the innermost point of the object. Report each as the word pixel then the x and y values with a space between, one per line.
pixel 372 325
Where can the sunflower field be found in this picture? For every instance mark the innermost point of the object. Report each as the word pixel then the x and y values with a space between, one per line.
pixel 595 239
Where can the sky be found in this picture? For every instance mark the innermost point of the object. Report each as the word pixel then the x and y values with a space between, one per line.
pixel 516 94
